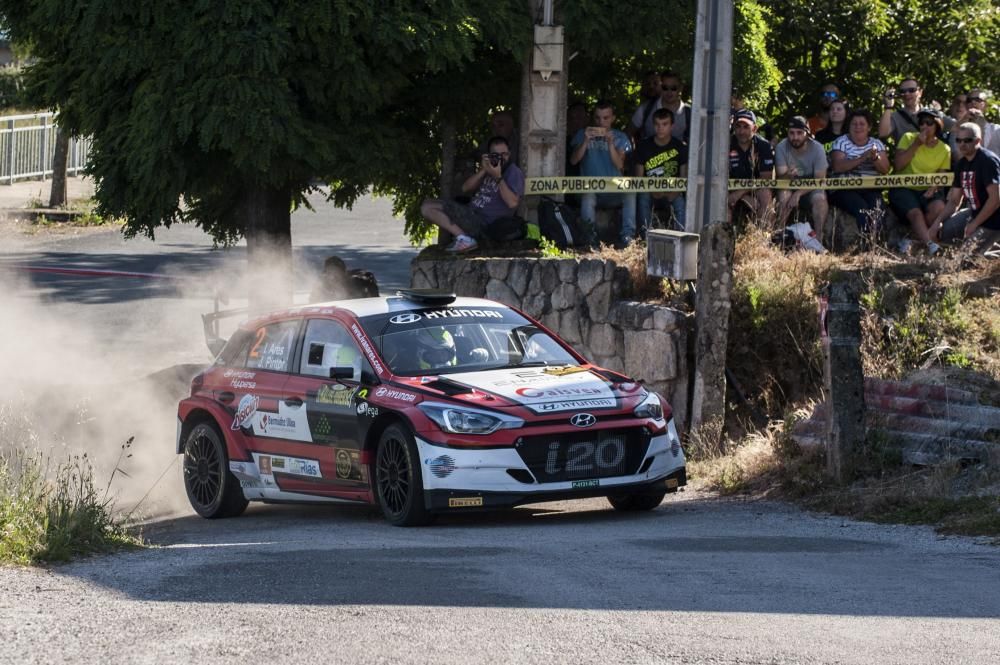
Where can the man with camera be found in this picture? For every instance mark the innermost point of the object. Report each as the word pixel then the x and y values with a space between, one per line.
pixel 898 121
pixel 600 150
pixel 498 186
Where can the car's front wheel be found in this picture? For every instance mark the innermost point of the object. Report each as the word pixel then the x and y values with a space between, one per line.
pixel 638 501
pixel 211 488
pixel 398 484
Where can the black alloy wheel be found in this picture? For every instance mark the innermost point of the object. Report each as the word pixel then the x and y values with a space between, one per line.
pixel 211 488
pixel 398 483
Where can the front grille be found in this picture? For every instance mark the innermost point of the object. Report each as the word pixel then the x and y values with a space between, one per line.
pixel 583 455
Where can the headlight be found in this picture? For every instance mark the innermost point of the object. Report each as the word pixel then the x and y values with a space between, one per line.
pixel 458 420
pixel 650 407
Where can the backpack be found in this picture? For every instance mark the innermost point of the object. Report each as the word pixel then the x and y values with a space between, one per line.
pixel 362 284
pixel 559 223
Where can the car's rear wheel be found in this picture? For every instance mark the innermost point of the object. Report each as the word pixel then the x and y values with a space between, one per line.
pixel 211 488
pixel 638 501
pixel 398 484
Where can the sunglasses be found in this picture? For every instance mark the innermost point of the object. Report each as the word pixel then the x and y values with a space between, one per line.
pixel 671 88
pixel 829 93
pixel 972 140
pixel 974 99
pixel 907 91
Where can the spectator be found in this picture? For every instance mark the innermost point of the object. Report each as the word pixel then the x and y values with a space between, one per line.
pixel 897 121
pixel 332 283
pixel 502 124
pixel 827 94
pixel 800 156
pixel 576 119
pixel 858 154
pixel 670 98
pixel 601 151
pixel 498 186
pixel 661 156
pixel 836 126
pixel 650 92
pixel 921 152
pixel 977 180
pixel 976 107
pixel 750 158
pixel 956 113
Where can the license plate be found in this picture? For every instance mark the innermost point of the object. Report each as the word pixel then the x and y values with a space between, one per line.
pixel 577 484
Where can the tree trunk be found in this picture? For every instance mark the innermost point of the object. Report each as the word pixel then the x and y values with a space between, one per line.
pixel 58 195
pixel 266 212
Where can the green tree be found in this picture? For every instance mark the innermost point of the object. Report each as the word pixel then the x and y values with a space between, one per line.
pixel 222 112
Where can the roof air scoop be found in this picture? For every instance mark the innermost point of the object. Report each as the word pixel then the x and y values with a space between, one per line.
pixel 433 297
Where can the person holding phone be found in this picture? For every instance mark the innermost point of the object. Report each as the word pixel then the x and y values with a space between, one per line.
pixel 601 150
pixel 857 153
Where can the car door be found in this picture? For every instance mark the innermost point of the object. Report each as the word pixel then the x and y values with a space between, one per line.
pixel 331 404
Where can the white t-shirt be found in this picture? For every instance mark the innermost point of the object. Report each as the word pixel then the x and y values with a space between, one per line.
pixel 852 151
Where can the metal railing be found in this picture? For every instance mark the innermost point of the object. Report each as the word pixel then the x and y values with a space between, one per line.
pixel 28 144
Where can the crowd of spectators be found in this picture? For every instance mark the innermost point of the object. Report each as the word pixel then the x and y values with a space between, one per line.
pixel 908 137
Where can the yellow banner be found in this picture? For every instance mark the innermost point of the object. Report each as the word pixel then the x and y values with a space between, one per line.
pixel 580 185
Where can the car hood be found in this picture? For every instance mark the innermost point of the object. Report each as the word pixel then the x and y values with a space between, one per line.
pixel 549 389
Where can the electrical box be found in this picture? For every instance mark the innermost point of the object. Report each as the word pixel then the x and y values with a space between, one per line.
pixel 672 254
pixel 547 55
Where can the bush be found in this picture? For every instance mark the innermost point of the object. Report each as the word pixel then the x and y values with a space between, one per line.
pixel 12 93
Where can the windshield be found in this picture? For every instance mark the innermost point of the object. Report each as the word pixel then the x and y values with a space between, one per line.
pixel 449 340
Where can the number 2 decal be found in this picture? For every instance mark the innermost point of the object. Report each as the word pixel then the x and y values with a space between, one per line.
pixel 261 335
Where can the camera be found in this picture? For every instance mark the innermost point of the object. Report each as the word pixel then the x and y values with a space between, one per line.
pixel 495 158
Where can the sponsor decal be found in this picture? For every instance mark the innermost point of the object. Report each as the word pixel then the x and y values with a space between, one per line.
pixel 563 371
pixel 241 380
pixel 366 409
pixel 441 466
pixel 391 393
pixel 463 314
pixel 583 420
pixel 245 411
pixel 465 502
pixel 558 392
pixel 290 423
pixel 278 462
pixel 402 319
pixel 264 463
pixel 335 394
pixel 549 407
pixel 367 347
pixel 578 484
pixel 249 484
pixel 322 426
pixel 349 466
pixel 304 467
pixel 363 393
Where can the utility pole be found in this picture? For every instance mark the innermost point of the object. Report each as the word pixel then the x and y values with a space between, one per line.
pixel 707 210
pixel 543 100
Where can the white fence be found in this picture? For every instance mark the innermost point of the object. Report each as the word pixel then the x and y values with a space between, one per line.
pixel 27 145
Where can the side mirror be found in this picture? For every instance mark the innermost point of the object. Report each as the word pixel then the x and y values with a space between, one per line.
pixel 338 373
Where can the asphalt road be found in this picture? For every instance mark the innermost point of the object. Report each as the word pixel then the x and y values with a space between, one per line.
pixel 699 580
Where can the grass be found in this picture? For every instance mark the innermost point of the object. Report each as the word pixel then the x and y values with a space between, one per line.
pixel 51 511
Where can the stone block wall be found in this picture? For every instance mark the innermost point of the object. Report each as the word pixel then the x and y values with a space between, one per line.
pixel 584 301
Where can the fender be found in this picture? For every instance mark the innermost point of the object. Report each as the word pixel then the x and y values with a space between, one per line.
pixel 235 446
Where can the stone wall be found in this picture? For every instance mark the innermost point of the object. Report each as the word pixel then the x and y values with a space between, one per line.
pixel 583 300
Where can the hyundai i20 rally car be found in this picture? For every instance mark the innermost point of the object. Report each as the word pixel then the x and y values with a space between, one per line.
pixel 421 403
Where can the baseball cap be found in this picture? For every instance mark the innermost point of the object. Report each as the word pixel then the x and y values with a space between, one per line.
pixel 745 114
pixel 799 122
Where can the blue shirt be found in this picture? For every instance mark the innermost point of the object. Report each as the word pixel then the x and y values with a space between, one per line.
pixel 597 160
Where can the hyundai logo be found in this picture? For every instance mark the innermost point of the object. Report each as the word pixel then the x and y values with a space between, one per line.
pixel 405 318
pixel 582 420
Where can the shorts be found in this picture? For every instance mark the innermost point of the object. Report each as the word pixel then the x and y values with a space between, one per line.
pixel 807 199
pixel 904 200
pixel 467 218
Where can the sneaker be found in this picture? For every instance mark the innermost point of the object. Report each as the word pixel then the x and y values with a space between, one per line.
pixel 462 244
pixel 933 248
pixel 904 246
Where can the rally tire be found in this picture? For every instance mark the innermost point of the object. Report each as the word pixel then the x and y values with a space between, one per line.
pixel 636 502
pixel 399 486
pixel 214 492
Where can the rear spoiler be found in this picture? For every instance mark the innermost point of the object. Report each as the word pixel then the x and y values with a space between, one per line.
pixel 210 322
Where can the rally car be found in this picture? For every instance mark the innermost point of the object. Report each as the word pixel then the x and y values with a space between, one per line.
pixel 421 403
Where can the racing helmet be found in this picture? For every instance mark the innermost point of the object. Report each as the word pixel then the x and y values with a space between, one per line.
pixel 435 348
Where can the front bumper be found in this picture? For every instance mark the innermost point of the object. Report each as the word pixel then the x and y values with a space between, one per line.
pixel 463 478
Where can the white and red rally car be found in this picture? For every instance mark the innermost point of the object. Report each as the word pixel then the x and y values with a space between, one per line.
pixel 423 403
